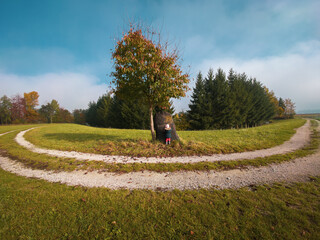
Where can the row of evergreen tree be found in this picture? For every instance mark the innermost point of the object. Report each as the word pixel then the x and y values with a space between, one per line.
pixel 233 101
pixel 110 111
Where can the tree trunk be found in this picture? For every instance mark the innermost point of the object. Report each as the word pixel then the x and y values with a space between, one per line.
pixel 161 119
pixel 153 134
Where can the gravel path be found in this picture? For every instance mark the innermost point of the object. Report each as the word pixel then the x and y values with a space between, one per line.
pixel 298 140
pixel 297 170
pixel 7 132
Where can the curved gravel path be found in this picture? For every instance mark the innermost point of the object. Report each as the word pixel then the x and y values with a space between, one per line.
pixel 297 170
pixel 298 140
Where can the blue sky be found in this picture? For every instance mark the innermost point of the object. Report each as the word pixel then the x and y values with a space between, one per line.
pixel 62 48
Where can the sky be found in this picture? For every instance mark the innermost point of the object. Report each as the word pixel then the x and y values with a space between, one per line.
pixel 62 48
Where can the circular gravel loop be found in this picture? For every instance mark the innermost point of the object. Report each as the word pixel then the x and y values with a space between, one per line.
pixel 297 170
pixel 297 141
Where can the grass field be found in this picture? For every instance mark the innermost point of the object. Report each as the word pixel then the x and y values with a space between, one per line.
pixel 35 209
pixel 7 128
pixel 71 137
pixel 34 160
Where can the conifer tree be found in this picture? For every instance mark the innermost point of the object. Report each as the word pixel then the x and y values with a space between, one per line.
pixel 236 101
pixel 103 108
pixel 115 113
pixel 240 98
pixel 208 102
pixel 91 114
pixel 128 114
pixel 282 108
pixel 196 112
pixel 221 101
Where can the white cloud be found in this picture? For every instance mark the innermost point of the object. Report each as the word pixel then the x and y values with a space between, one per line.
pixel 295 75
pixel 71 90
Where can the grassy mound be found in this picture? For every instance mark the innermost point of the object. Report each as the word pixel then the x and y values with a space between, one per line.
pixel 137 143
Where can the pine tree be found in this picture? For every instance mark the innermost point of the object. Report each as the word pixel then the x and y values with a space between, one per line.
pixel 134 115
pixel 115 113
pixel 196 113
pixel 236 101
pixel 263 108
pixel 103 108
pixel 208 111
pixel 240 98
pixel 128 114
pixel 221 101
pixel 281 108
pixel 91 114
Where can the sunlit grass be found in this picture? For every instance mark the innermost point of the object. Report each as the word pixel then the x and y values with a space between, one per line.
pixel 71 137
pixel 35 209
pixel 7 128
pixel 41 161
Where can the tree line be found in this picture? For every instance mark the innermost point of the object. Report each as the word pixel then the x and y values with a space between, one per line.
pixel 23 109
pixel 234 101
pixel 110 111
pixel 217 102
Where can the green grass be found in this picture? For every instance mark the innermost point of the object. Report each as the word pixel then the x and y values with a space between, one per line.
pixel 136 143
pixel 9 147
pixel 41 161
pixel 7 128
pixel 35 209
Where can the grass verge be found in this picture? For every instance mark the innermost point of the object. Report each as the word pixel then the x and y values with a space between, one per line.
pixel 35 209
pixel 136 143
pixel 40 161
pixel 7 128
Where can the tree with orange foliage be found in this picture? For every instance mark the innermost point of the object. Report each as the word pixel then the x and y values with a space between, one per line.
pixel 31 100
pixel 18 109
pixel 290 107
pixel 147 71
pixel 273 99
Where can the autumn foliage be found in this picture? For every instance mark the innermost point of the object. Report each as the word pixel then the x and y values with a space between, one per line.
pixel 145 70
pixel 31 101
pixel 20 109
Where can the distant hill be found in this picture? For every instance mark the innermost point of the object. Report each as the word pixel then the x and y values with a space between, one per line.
pixel 308 111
